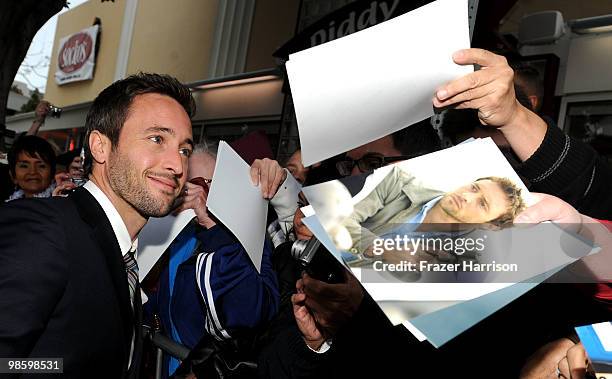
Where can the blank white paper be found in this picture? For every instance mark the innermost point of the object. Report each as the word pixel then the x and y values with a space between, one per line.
pixel 156 236
pixel 369 84
pixel 237 203
pixel 604 332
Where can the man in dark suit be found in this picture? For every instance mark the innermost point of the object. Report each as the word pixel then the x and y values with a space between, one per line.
pixel 68 279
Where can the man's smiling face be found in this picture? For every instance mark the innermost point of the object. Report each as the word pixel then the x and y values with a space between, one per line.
pixel 148 167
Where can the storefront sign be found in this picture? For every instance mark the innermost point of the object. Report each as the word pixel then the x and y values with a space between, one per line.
pixel 349 19
pixel 76 56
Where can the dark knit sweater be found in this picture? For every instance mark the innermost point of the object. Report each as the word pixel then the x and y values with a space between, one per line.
pixel 572 170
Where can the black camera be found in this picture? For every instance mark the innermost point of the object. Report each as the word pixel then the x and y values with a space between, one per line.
pixel 54 111
pixel 317 261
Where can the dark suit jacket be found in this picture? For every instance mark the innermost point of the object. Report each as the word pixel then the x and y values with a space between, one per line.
pixel 63 287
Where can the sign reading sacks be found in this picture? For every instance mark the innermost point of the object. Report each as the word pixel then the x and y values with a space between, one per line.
pixel 76 56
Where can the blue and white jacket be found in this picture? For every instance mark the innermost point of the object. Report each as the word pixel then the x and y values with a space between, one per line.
pixel 211 288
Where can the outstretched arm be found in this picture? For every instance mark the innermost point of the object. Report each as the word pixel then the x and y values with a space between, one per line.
pixel 553 162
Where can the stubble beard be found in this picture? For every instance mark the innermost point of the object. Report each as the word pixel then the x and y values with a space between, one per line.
pixel 449 212
pixel 127 183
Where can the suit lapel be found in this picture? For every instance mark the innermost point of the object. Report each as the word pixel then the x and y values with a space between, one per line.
pixel 92 213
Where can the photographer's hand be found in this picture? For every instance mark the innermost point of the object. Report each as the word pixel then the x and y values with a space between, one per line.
pixel 61 178
pixel 331 304
pixel 41 112
pixel 305 321
pixel 63 188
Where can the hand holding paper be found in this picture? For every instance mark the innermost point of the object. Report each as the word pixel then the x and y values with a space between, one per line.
pixel 268 175
pixel 490 90
pixel 551 208
pixel 596 343
pixel 237 203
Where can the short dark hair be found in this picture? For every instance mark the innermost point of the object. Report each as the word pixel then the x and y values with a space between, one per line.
pixel 515 200
pixel 111 107
pixel 32 146
pixel 528 78
pixel 522 97
pixel 417 139
pixel 458 123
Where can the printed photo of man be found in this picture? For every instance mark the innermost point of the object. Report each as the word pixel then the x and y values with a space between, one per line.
pixel 400 204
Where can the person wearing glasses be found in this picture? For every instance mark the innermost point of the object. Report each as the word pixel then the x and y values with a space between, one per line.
pixel 367 163
pixel 412 141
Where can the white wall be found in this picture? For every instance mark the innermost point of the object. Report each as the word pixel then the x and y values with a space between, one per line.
pixel 589 64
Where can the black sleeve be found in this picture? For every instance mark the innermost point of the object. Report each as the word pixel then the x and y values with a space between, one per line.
pixel 287 356
pixel 33 273
pixel 572 170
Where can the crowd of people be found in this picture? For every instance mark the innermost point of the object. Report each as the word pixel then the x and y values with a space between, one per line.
pixel 33 165
pixel 69 284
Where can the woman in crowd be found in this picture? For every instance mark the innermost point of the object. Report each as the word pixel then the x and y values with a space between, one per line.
pixel 31 167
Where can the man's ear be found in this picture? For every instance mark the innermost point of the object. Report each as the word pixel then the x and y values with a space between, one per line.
pixel 100 147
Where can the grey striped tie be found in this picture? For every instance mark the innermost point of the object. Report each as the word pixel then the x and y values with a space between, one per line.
pixel 131 268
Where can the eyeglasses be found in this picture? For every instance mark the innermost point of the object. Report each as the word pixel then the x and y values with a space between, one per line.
pixel 368 162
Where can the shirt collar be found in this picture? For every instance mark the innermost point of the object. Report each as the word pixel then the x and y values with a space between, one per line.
pixel 19 194
pixel 425 209
pixel 121 232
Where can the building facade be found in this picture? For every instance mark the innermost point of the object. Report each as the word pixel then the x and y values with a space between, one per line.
pixel 222 49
